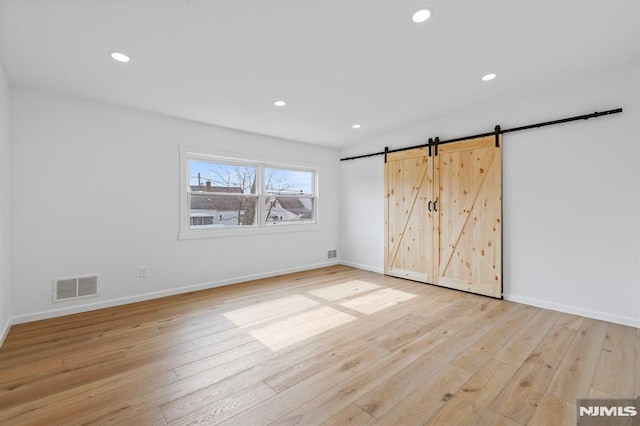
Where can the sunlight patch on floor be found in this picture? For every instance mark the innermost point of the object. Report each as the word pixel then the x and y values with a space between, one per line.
pixel 288 320
pixel 300 327
pixel 261 312
pixel 377 301
pixel 340 291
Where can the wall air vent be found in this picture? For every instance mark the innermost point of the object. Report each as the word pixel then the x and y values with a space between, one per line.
pixel 75 288
pixel 332 254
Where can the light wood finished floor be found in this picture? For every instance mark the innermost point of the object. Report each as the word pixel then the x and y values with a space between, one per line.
pixel 333 346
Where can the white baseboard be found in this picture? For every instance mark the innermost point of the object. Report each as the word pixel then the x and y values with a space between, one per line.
pixel 363 267
pixel 632 322
pixel 52 313
pixel 5 331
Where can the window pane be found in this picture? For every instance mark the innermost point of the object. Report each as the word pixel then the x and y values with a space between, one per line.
pixel 206 176
pixel 283 181
pixel 283 209
pixel 212 211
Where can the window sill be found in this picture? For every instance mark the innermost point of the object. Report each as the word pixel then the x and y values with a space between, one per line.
pixel 192 234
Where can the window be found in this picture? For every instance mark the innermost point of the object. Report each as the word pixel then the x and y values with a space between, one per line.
pixel 222 194
pixel 289 195
pixel 242 195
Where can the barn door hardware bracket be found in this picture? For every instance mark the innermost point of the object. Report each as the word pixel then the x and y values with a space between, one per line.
pixel 436 141
pixel 497 129
pixel 386 152
pixel 501 131
pixel 429 145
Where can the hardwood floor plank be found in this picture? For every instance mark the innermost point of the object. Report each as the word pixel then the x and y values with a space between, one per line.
pixel 351 415
pixel 485 348
pixel 475 395
pixel 221 382
pixel 391 391
pixel 575 374
pixel 33 387
pixel 432 395
pixel 570 320
pixel 377 300
pixel 335 399
pixel 252 350
pixel 288 377
pixel 345 290
pixel 277 407
pixel 417 326
pixel 520 397
pixel 516 350
pixel 151 417
pixel 301 327
pixel 553 411
pixel 36 368
pixel 82 403
pixel 218 410
pixel 617 362
pixel 490 417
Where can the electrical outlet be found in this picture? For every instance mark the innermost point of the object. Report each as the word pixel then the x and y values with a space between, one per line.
pixel 144 271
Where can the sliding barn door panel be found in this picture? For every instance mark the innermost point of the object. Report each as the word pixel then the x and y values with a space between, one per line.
pixel 470 228
pixel 443 216
pixel 409 177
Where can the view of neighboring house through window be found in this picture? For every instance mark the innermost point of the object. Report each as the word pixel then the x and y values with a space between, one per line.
pixel 222 194
pixel 289 195
pixel 227 194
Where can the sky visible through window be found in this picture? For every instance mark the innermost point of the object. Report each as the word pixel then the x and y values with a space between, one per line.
pixel 233 175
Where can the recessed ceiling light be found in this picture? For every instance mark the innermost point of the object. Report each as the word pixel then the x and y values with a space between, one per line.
pixel 119 56
pixel 488 77
pixel 279 103
pixel 356 126
pixel 421 15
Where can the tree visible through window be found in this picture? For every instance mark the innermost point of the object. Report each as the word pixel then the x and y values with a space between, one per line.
pixel 289 195
pixel 227 194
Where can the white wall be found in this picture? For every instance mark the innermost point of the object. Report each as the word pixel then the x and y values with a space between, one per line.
pixel 571 195
pixel 95 190
pixel 362 212
pixel 5 195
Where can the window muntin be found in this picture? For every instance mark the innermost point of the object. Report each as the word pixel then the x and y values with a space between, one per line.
pixel 224 194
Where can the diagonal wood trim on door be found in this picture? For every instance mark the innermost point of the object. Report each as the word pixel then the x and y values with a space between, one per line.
pixel 468 207
pixel 415 191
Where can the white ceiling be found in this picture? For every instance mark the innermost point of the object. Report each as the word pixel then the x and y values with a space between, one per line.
pixel 336 62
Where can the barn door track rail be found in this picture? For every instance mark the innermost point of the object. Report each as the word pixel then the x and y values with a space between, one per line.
pixel 433 143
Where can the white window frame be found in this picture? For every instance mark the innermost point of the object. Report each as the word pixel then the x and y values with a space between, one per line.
pixel 262 226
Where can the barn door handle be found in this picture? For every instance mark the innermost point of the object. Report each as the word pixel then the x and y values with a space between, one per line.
pixel 429 206
pixel 435 206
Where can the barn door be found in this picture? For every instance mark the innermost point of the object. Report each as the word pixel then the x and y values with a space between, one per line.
pixel 409 236
pixel 444 216
pixel 469 192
